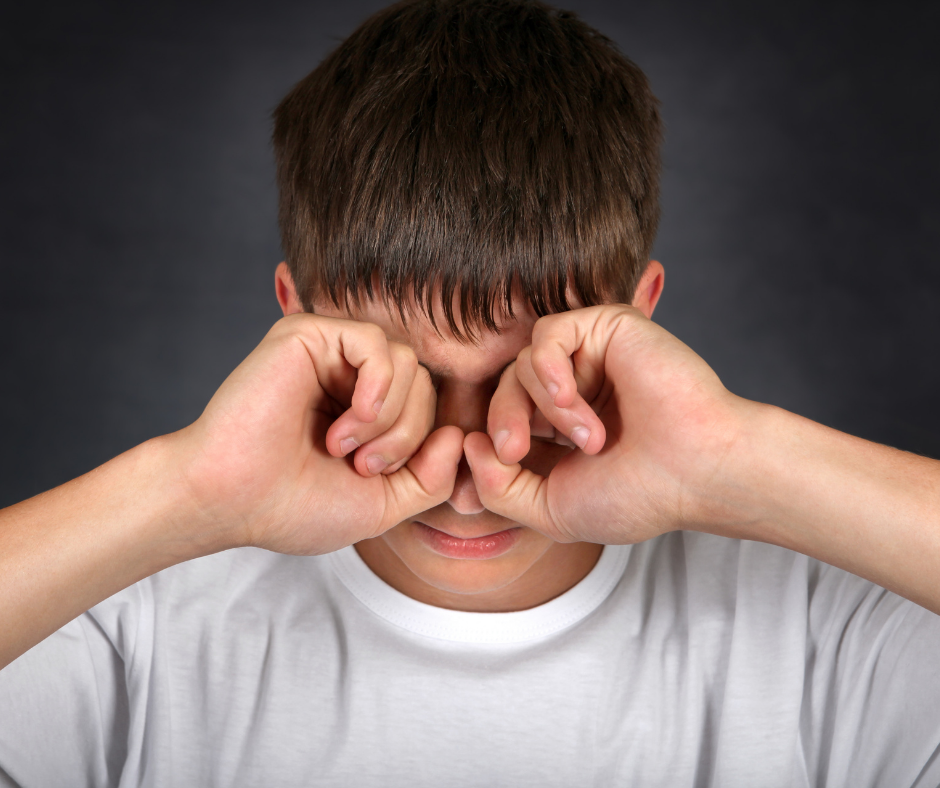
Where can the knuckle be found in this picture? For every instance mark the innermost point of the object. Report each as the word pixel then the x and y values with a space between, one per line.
pixel 547 323
pixel 298 317
pixel 403 356
pixel 403 444
pixel 288 324
pixel 540 356
pixel 372 333
pixel 398 442
pixel 411 434
pixel 539 330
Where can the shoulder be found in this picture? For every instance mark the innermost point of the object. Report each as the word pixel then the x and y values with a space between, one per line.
pixel 240 584
pixel 717 570
pixel 700 576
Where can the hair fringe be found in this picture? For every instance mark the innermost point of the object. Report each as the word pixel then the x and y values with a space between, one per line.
pixel 467 150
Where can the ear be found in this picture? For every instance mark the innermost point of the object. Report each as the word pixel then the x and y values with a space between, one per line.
pixel 649 289
pixel 286 292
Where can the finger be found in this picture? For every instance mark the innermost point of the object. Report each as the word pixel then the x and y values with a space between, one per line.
pixel 569 353
pixel 427 480
pixel 508 490
pixel 543 428
pixel 509 418
pixel 333 344
pixel 363 349
pixel 348 432
pixel 555 338
pixel 539 426
pixel 387 452
pixel 590 373
pixel 578 422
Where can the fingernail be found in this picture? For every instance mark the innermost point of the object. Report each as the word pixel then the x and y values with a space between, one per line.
pixel 499 440
pixel 378 406
pixel 375 464
pixel 580 436
pixel 552 389
pixel 347 445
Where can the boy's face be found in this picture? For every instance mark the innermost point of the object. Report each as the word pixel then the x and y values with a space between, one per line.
pixel 459 555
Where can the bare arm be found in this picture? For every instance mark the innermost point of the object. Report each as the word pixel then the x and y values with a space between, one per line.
pixel 65 550
pixel 265 465
pixel 866 508
pixel 670 448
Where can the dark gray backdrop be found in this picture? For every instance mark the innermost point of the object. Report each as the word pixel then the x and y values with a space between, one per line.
pixel 800 233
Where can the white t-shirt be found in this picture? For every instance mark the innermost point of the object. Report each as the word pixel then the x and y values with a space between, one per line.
pixel 689 660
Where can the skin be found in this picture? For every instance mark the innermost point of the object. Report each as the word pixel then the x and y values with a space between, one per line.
pixel 665 447
pixel 457 382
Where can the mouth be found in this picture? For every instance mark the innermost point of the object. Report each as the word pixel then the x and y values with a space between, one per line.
pixel 475 548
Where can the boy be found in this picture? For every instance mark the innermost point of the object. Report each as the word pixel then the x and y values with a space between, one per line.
pixel 434 470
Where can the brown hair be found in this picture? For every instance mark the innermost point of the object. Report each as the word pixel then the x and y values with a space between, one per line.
pixel 472 146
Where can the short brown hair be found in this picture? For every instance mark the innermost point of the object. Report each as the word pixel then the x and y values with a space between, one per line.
pixel 472 146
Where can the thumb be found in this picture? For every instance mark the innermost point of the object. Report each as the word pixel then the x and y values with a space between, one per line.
pixel 426 480
pixel 509 490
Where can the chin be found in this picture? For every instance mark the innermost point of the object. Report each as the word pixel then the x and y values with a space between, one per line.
pixel 468 577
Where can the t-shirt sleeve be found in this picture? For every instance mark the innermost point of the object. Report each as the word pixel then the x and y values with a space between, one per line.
pixel 64 711
pixel 872 694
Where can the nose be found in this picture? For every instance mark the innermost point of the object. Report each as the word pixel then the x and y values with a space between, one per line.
pixel 463 405
pixel 464 498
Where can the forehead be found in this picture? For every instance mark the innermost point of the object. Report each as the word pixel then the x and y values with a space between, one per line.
pixel 444 354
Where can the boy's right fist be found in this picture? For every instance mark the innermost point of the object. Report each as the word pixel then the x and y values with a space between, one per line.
pixel 319 439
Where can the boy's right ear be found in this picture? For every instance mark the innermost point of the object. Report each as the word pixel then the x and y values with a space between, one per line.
pixel 286 292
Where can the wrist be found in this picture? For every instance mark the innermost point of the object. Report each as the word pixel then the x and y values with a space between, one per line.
pixel 731 497
pixel 192 516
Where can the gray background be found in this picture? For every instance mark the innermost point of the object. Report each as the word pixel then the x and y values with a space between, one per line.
pixel 801 209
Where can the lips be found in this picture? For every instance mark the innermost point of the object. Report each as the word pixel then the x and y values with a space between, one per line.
pixel 474 548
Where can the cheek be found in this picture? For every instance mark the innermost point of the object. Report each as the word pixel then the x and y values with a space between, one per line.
pixel 543 456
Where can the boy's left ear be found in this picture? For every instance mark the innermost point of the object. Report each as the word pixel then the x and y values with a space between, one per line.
pixel 649 289
pixel 286 292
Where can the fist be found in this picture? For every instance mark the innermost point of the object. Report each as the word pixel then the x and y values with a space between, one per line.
pixel 652 420
pixel 319 439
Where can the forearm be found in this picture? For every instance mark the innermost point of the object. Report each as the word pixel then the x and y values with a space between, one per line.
pixel 64 551
pixel 866 508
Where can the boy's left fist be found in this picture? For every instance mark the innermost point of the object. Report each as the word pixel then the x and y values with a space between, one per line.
pixel 654 425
